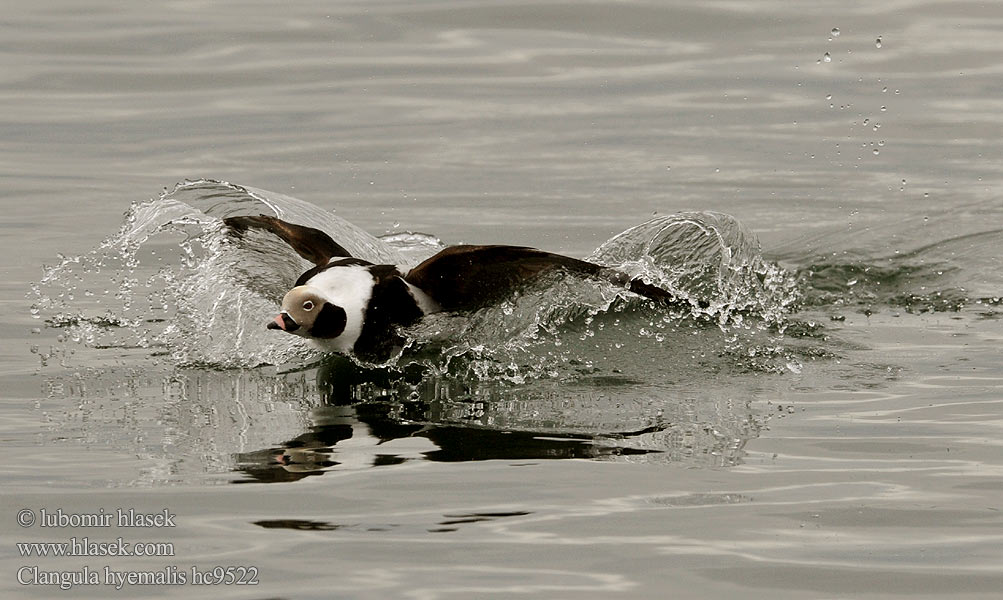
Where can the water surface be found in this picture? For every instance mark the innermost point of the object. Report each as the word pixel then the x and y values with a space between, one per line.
pixel 845 444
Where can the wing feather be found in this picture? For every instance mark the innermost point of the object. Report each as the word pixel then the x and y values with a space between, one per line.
pixel 471 277
pixel 312 244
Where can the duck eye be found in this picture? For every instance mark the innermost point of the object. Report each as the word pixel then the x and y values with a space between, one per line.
pixel 308 305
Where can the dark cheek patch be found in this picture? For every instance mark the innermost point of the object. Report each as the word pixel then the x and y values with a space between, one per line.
pixel 330 322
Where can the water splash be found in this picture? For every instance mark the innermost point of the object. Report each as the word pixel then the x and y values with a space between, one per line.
pixel 709 259
pixel 178 287
pixel 565 328
pixel 173 283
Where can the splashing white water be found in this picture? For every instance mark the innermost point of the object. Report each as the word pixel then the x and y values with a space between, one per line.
pixel 176 284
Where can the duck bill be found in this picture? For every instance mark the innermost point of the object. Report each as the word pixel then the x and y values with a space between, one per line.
pixel 284 322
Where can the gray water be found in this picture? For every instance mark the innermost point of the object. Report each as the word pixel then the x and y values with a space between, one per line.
pixel 846 444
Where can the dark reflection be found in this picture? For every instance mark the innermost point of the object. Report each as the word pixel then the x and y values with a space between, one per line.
pixel 299 524
pixel 481 516
pixel 372 418
pixel 450 522
pixel 375 424
pixel 458 444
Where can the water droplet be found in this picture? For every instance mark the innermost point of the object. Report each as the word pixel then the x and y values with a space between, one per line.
pixel 835 32
pixel 926 194
pixel 884 90
pixel 877 43
pixel 876 152
pixel 396 225
pixel 668 167
pixel 826 57
pixel 884 108
pixel 881 143
pixel 828 97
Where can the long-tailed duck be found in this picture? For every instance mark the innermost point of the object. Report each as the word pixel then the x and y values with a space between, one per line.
pixel 345 304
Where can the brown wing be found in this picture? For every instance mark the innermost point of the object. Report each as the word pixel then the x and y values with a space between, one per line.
pixel 469 277
pixel 312 244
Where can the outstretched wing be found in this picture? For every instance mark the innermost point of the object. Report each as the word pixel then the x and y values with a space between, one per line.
pixel 470 277
pixel 312 244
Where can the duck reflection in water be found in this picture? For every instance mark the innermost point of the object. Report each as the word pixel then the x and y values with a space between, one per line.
pixel 362 422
